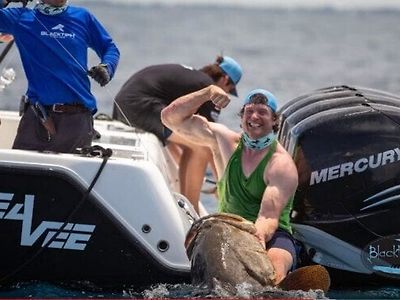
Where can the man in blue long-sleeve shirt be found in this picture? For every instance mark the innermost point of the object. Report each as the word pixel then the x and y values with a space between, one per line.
pixel 53 40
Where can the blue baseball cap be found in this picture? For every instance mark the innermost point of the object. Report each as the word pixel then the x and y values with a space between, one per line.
pixel 233 70
pixel 270 98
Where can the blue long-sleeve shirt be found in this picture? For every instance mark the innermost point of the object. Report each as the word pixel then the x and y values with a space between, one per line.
pixel 54 52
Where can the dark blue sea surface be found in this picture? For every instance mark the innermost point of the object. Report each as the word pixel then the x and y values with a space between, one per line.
pixel 47 290
pixel 288 51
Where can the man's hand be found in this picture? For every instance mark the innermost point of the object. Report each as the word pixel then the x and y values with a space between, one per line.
pixel 24 2
pixel 100 74
pixel 265 229
pixel 218 96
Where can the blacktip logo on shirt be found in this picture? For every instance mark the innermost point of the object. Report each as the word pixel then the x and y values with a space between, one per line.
pixel 58 32
pixel 382 256
pixel 59 27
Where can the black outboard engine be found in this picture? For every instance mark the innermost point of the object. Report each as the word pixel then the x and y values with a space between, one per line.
pixel 346 145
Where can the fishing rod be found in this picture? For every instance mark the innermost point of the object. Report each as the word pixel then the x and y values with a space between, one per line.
pixel 84 68
pixel 7 49
pixel 90 151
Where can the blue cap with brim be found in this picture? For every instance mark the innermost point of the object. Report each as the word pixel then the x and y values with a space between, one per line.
pixel 233 70
pixel 270 101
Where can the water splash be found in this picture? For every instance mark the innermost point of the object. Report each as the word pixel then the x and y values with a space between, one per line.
pixel 244 291
pixel 160 291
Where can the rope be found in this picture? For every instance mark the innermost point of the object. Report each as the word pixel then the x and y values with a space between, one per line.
pixel 94 151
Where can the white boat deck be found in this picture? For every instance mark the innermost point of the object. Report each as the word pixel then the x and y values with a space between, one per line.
pixel 139 185
pixel 125 142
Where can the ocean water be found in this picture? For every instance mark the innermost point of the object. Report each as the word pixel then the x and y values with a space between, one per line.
pixel 288 47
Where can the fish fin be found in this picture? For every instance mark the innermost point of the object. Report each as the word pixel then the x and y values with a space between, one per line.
pixel 315 277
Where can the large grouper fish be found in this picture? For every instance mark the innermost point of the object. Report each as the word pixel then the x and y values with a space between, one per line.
pixel 224 252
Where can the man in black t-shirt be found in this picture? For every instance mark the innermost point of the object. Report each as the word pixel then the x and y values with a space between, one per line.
pixel 142 97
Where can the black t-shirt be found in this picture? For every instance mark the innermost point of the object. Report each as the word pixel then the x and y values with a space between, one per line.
pixel 148 91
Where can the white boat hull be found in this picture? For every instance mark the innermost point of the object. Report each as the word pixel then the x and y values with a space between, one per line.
pixel 130 229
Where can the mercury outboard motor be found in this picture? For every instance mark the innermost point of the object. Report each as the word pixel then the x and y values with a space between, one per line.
pixel 345 142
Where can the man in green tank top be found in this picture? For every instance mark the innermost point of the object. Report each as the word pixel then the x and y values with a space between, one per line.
pixel 257 178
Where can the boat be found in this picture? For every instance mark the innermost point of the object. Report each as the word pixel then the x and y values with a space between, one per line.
pixel 112 215
pixel 345 143
pixel 109 215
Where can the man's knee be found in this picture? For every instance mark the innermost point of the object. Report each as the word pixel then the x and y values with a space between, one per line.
pixel 282 261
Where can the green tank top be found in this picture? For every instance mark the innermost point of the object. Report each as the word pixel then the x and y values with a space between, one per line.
pixel 242 195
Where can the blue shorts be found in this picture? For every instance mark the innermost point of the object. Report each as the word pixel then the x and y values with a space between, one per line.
pixel 284 240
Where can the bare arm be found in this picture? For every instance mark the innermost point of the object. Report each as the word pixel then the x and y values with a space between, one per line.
pixel 180 117
pixel 282 179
